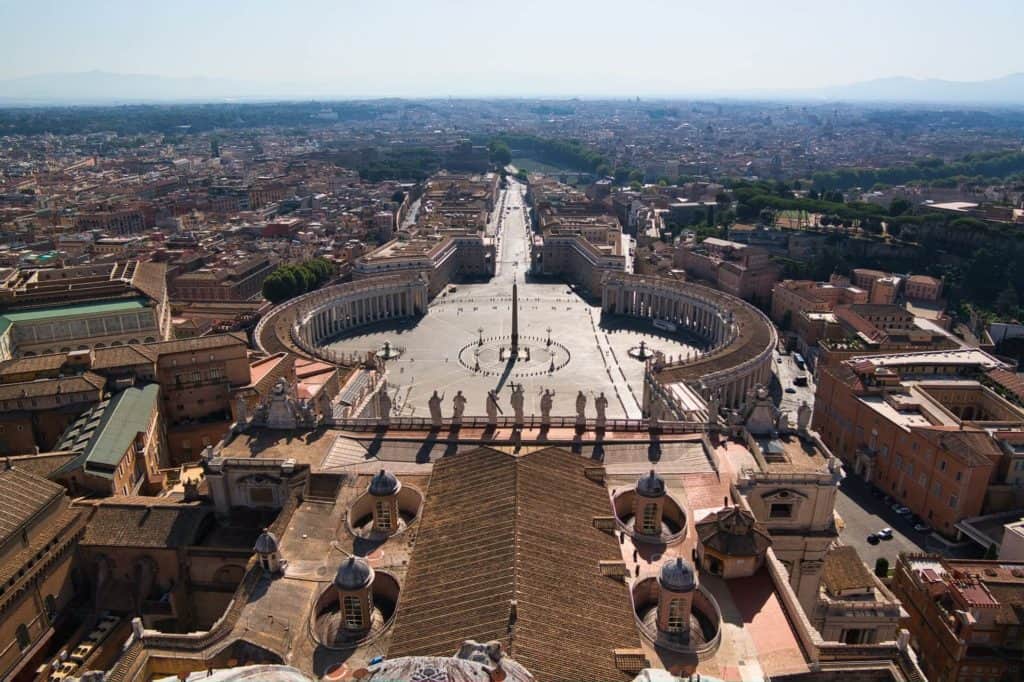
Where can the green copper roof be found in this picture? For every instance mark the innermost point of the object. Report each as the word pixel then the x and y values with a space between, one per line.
pixel 74 310
pixel 104 433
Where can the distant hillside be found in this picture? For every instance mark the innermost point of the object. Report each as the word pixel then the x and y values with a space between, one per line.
pixel 102 87
pixel 1005 90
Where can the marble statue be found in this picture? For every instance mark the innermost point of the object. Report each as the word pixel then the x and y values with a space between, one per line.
pixel 458 407
pixel 714 406
pixel 241 410
pixel 803 416
pixel 492 407
pixel 581 407
pixel 383 406
pixel 546 401
pixel 601 405
pixel 517 402
pixel 434 403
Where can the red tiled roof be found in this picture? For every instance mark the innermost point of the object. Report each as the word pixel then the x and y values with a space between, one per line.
pixel 497 528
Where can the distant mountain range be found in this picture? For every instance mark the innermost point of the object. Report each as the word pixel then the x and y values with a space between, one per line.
pixel 1005 90
pixel 101 87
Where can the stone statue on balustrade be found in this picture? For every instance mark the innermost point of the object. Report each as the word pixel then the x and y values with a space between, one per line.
pixel 518 399
pixel 581 408
pixel 546 402
pixel 492 407
pixel 458 407
pixel 384 406
pixel 601 405
pixel 803 416
pixel 434 404
pixel 714 407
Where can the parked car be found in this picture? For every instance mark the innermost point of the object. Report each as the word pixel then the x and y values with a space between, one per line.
pixel 922 528
pixel 885 533
pixel 873 539
pixel 877 493
pixel 904 511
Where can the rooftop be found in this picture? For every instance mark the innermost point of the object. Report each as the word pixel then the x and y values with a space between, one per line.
pixel 533 542
pixel 74 310
pixel 104 433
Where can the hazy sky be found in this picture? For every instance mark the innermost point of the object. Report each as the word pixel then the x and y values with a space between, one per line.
pixel 441 47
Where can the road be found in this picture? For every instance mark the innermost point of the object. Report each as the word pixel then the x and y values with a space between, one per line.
pixel 863 515
pixel 786 371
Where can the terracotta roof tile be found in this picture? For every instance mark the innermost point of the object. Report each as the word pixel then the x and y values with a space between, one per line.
pixel 497 528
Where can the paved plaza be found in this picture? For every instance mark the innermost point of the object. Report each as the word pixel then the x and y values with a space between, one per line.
pixel 443 350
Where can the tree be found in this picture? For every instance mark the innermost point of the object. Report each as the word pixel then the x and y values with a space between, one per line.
pixel 500 154
pixel 636 175
pixel 398 196
pixel 899 206
pixel 882 567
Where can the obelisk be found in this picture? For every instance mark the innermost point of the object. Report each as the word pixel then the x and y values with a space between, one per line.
pixel 515 316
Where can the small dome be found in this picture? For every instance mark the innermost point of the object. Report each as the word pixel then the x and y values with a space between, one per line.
pixel 384 483
pixel 266 543
pixel 678 576
pixel 355 573
pixel 650 485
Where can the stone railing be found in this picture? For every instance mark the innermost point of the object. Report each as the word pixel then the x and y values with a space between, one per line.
pixel 506 422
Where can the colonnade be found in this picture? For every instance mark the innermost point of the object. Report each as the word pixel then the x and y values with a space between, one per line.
pixel 315 317
pixel 694 314
pixel 710 314
pixel 732 387
pixel 359 308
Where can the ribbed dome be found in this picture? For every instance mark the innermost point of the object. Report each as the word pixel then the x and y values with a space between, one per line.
pixel 384 484
pixel 678 576
pixel 650 485
pixel 266 543
pixel 353 574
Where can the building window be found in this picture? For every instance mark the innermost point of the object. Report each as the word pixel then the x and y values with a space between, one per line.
pixel 21 633
pixel 953 501
pixel 780 511
pixel 353 613
pixel 383 515
pixel 675 616
pixel 50 606
pixel 937 488
pixel 942 465
pixel 647 526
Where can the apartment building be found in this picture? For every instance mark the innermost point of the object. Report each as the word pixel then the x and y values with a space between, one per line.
pixel 240 281
pixel 747 272
pixel 806 308
pixel 966 617
pixel 922 427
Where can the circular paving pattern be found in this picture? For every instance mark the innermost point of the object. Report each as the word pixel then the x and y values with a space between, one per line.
pixel 535 356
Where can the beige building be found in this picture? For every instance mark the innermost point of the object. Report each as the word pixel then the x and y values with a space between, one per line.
pixel 78 308
pixel 38 535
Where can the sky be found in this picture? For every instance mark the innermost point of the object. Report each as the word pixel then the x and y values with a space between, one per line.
pixel 527 47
